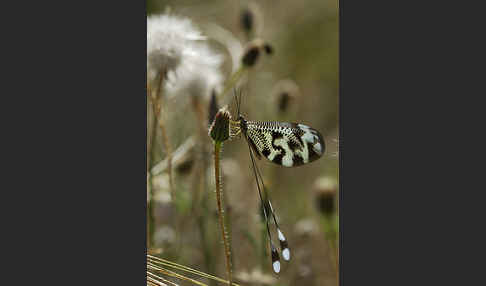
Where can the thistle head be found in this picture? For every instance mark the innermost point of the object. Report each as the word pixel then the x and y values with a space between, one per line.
pixel 219 130
pixel 253 50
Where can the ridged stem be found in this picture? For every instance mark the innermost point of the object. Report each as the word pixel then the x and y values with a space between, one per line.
pixel 165 140
pixel 219 200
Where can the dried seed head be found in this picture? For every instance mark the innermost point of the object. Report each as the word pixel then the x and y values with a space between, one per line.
pixel 268 48
pixel 219 129
pixel 184 166
pixel 284 92
pixel 326 189
pixel 253 51
pixel 168 39
pixel 251 19
pixel 178 50
pixel 246 19
pixel 251 55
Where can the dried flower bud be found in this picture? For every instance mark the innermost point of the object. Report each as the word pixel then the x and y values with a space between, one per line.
pixel 326 189
pixel 251 55
pixel 219 129
pixel 247 20
pixel 184 166
pixel 251 19
pixel 283 93
pixel 253 50
pixel 283 101
pixel 268 49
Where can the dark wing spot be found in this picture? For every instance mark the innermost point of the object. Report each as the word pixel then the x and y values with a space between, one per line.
pixel 298 133
pixel 294 145
pixel 278 159
pixel 297 160
pixel 284 244
pixel 265 152
pixel 276 135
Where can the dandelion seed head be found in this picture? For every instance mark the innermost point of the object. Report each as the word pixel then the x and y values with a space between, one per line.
pixel 198 74
pixel 168 39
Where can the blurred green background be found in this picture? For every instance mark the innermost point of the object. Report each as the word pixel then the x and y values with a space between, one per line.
pixel 304 36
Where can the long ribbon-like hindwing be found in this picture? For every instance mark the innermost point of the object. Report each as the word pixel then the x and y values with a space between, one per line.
pixel 265 201
pixel 285 144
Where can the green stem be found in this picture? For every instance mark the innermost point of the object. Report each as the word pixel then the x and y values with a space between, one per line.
pixel 219 200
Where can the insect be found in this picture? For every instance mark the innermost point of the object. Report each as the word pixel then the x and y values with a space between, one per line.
pixel 285 144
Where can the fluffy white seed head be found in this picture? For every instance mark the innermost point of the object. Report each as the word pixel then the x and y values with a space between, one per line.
pixel 198 73
pixel 177 47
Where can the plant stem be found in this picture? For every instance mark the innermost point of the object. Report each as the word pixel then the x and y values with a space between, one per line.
pixel 165 139
pixel 233 80
pixel 219 200
pixel 331 233
pixel 150 159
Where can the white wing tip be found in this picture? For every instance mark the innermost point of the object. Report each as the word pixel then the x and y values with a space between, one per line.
pixel 276 266
pixel 280 235
pixel 286 254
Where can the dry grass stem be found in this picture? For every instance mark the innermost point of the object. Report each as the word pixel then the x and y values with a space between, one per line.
pixel 157 264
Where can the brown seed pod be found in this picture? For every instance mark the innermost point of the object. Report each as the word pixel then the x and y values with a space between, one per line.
pixel 325 189
pixel 284 93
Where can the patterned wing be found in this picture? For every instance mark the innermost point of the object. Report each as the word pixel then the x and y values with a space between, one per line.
pixel 286 144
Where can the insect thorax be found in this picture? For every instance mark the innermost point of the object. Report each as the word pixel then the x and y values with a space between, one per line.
pixel 237 127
